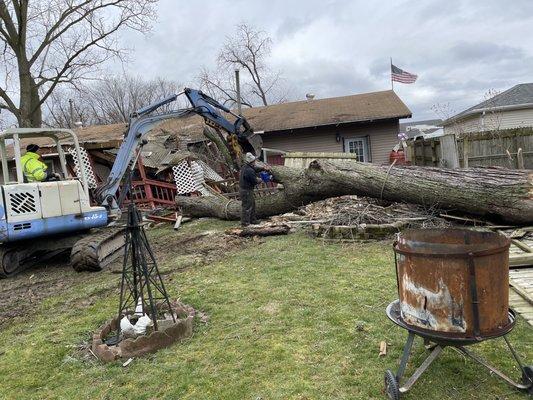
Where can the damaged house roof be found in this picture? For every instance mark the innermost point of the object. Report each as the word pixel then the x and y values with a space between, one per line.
pixel 110 136
pixel 277 117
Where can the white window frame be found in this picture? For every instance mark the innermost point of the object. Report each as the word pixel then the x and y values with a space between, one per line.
pixel 362 139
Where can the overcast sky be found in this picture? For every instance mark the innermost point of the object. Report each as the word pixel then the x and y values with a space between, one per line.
pixel 459 49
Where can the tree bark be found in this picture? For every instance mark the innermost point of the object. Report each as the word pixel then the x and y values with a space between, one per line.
pixel 496 194
pixel 221 145
pixel 270 230
pixel 29 114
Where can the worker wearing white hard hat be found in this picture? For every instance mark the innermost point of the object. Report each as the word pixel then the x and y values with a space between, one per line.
pixel 248 180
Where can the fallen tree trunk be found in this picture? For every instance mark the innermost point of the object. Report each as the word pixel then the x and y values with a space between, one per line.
pixel 493 193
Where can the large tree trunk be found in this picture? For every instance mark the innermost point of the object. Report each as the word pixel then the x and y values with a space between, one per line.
pixel 29 114
pixel 497 194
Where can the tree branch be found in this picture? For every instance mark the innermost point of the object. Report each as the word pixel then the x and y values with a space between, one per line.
pixel 10 33
pixel 10 105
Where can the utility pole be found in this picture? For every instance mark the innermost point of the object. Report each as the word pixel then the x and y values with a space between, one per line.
pixel 391 81
pixel 71 110
pixel 238 87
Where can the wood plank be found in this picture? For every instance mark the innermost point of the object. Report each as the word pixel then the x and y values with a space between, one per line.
pixel 524 259
pixel 525 272
pixel 522 283
pixel 521 306
pixel 522 246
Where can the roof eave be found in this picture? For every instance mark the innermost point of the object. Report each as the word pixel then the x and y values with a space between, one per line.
pixel 262 132
pixel 462 116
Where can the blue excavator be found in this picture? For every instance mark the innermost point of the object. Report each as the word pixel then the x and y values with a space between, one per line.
pixel 39 220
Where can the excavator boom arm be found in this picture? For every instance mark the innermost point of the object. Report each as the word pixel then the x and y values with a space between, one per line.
pixel 142 122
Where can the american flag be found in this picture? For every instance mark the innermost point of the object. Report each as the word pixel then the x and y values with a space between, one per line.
pixel 399 75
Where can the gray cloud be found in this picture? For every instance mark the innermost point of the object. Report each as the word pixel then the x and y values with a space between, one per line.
pixel 485 51
pixel 460 49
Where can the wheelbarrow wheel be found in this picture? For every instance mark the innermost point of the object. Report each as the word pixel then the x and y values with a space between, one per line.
pixel 391 386
pixel 527 378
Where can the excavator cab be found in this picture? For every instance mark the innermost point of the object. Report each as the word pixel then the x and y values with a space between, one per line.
pixel 40 209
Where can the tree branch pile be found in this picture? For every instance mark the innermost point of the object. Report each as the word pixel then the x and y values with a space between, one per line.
pixel 496 194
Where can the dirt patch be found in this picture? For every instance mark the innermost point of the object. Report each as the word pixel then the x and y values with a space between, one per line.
pixel 21 295
pixel 24 292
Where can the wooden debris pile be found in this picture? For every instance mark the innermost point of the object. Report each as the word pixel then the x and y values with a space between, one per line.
pixel 354 217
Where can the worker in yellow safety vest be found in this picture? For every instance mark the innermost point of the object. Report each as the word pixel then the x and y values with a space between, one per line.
pixel 33 168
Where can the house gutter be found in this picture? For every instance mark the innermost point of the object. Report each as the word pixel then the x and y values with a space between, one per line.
pixel 336 124
pixel 487 109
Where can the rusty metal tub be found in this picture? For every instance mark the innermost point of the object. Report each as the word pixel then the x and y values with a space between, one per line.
pixel 453 282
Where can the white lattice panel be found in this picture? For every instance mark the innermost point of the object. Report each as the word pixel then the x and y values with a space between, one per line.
pixel 88 169
pixel 190 178
pixel 183 177
pixel 209 173
pixel 197 174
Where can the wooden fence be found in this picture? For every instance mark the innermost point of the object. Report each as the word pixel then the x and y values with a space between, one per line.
pixel 510 148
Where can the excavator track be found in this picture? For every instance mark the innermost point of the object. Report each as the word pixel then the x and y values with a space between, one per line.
pixel 10 261
pixel 96 250
pixel 17 258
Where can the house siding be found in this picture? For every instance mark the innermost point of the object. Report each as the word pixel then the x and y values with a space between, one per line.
pixel 516 119
pixel 492 121
pixel 306 141
pixel 382 137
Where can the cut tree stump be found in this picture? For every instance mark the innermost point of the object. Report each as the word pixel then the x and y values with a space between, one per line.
pixel 496 194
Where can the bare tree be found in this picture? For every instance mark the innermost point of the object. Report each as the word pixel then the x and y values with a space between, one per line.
pixel 221 86
pixel 248 51
pixel 68 107
pixel 108 101
pixel 492 116
pixel 47 43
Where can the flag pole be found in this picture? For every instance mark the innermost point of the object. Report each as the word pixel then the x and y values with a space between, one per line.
pixel 391 81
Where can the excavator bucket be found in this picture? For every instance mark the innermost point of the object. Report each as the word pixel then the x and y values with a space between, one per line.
pixel 252 144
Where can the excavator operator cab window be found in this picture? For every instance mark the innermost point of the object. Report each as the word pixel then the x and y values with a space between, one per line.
pixel 16 139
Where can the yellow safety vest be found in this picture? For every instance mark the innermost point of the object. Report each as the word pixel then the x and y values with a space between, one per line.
pixel 34 169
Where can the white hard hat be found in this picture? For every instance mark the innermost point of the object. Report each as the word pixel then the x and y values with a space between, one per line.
pixel 249 157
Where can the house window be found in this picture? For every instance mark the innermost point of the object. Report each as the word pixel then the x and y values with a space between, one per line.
pixel 358 146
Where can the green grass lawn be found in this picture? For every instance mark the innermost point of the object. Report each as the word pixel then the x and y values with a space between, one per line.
pixel 289 318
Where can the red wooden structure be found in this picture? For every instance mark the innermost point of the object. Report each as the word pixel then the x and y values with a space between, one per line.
pixel 150 193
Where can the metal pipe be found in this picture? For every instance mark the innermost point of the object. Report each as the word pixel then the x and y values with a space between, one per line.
pixel 238 88
pixel 425 365
pixel 405 356
pixel 62 159
pixel 478 359
pixel 5 166
pixel 71 111
pixel 16 149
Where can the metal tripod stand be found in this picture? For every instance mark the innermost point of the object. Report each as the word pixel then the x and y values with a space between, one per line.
pixel 141 282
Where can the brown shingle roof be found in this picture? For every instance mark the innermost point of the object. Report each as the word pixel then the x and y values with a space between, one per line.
pixel 277 117
pixel 106 136
pixel 331 111
pixel 303 114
